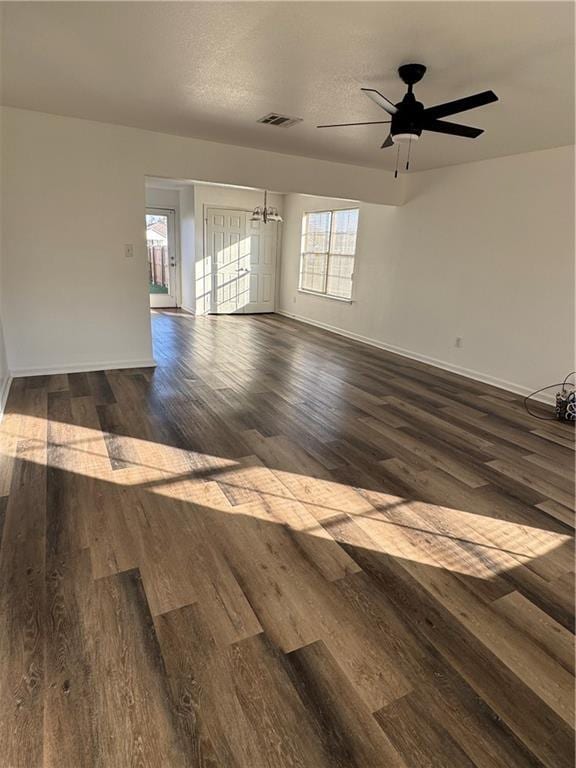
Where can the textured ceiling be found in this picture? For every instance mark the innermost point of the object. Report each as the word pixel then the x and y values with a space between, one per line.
pixel 211 69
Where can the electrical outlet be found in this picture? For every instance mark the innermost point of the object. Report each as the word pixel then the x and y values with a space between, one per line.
pixel 129 250
pixel 459 343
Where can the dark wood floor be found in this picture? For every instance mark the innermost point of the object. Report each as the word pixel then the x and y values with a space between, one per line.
pixel 282 548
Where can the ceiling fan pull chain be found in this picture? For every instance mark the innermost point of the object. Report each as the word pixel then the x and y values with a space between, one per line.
pixel 408 158
pixel 397 160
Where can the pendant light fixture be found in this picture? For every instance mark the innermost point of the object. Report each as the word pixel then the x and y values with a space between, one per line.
pixel 265 213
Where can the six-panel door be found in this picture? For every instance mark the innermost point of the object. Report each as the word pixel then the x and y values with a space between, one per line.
pixel 243 258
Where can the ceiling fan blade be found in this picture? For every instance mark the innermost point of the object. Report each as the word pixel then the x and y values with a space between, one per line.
pixel 388 143
pixel 460 105
pixel 454 129
pixel 341 125
pixel 382 101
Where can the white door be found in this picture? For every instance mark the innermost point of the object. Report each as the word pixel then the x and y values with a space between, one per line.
pixel 162 257
pixel 262 271
pixel 242 254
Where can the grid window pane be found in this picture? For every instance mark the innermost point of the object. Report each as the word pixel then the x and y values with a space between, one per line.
pixel 344 243
pixel 316 243
pixel 316 232
pixel 313 274
pixel 339 282
pixel 344 228
pixel 328 249
pixel 341 287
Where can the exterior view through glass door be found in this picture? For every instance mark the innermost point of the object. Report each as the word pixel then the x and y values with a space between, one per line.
pixel 162 259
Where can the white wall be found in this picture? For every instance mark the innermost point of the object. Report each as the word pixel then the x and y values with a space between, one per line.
pixel 483 251
pixel 188 248
pixel 4 371
pixel 162 198
pixel 71 299
pixel 5 377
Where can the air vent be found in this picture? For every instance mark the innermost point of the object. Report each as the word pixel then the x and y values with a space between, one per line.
pixel 280 121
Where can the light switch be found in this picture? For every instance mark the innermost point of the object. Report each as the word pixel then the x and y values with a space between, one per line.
pixel 129 250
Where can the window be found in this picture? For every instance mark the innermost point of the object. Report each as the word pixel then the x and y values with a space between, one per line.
pixel 328 249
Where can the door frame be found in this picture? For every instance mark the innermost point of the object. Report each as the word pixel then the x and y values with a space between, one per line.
pixel 173 248
pixel 205 208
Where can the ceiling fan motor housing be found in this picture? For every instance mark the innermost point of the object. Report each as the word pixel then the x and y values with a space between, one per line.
pixel 406 123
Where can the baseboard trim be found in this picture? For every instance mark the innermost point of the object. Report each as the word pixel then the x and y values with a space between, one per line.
pixel 83 367
pixel 4 394
pixel 509 386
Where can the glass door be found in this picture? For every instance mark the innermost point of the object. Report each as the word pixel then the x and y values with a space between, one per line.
pixel 162 257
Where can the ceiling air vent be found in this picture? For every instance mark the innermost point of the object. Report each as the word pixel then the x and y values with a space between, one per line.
pixel 281 121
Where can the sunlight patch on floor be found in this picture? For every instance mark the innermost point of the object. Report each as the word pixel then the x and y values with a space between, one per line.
pixel 457 540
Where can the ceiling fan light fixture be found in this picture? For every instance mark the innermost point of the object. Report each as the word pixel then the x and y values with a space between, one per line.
pixel 257 214
pixel 404 138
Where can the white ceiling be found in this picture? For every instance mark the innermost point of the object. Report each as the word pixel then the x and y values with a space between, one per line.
pixel 211 69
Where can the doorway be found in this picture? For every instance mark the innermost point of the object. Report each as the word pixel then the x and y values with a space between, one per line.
pixel 242 256
pixel 163 283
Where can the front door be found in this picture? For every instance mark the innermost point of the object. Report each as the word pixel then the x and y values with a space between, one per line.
pixel 162 258
pixel 242 254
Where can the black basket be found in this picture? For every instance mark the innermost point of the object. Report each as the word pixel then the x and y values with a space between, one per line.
pixel 566 405
pixel 565 409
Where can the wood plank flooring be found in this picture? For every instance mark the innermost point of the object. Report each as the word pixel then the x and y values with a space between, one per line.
pixel 282 549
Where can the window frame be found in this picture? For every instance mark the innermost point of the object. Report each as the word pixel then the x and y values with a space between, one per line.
pixel 324 294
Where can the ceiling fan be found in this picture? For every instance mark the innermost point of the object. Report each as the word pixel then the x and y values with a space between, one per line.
pixel 410 117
